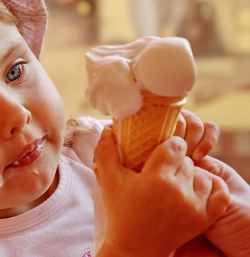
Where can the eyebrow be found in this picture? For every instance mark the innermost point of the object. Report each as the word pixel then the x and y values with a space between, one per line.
pixel 15 45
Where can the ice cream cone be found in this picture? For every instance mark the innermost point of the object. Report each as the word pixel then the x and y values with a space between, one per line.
pixel 139 134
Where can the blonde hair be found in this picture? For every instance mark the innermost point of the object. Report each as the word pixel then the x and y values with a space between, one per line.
pixel 73 130
pixel 6 15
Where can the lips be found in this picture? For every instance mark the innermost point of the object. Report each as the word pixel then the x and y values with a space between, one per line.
pixel 29 155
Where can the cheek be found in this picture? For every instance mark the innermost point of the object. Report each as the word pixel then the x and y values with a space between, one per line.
pixel 48 114
pixel 50 108
pixel 46 105
pixel 52 121
pixel 44 93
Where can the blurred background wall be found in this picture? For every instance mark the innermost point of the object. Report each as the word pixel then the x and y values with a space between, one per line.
pixel 219 33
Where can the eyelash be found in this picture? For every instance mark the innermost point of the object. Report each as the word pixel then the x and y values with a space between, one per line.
pixel 22 72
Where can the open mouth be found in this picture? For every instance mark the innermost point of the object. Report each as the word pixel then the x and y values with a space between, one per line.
pixel 29 155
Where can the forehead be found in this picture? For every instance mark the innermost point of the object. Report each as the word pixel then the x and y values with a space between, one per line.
pixel 10 37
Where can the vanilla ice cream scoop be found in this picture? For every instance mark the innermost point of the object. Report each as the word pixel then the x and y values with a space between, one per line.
pixel 118 74
pixel 166 67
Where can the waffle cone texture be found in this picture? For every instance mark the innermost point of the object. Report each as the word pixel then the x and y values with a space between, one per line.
pixel 139 134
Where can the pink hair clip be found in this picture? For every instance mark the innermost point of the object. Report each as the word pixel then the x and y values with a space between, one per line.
pixel 32 19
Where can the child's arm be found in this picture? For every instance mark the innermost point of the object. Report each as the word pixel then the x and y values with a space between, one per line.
pixel 153 212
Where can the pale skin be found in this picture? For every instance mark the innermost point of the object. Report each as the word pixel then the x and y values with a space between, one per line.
pixel 230 235
pixel 31 110
pixel 28 106
pixel 195 199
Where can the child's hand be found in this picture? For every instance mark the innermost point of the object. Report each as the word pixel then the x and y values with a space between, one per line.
pixel 153 212
pixel 231 233
pixel 200 137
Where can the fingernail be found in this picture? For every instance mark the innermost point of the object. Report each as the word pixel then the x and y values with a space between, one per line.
pixel 199 156
pixel 179 144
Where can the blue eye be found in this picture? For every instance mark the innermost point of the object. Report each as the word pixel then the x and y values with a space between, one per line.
pixel 15 72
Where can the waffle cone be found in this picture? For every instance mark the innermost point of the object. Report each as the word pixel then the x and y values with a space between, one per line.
pixel 139 134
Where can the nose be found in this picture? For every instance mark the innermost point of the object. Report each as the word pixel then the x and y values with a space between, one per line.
pixel 13 116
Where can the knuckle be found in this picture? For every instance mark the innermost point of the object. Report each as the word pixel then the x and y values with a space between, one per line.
pixel 209 144
pixel 187 113
pixel 177 144
pixel 173 146
pixel 196 127
pixel 213 127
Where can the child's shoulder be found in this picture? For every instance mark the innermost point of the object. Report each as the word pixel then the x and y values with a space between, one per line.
pixel 84 139
pixel 88 131
pixel 92 123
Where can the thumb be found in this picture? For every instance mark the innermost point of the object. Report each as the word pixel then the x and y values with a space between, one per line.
pixel 167 157
pixel 107 159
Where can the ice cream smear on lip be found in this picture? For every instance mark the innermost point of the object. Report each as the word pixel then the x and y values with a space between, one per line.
pixel 28 157
pixel 118 74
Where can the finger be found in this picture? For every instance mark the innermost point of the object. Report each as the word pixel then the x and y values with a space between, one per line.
pixel 219 198
pixel 107 159
pixel 209 140
pixel 194 131
pixel 167 157
pixel 180 129
pixel 216 167
pixel 185 173
pixel 234 181
pixel 202 184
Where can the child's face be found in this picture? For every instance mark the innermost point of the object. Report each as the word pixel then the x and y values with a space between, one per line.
pixel 32 122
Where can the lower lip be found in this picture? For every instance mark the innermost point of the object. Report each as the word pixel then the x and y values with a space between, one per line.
pixel 30 157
